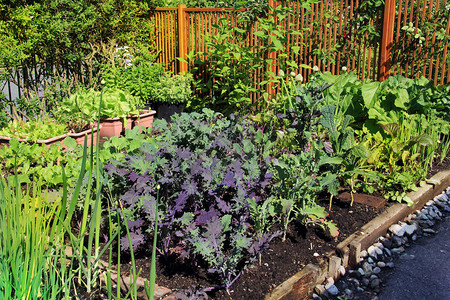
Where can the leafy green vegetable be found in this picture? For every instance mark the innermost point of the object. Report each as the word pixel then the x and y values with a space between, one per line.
pixel 34 130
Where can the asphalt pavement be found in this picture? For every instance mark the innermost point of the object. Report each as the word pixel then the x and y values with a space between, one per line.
pixel 423 271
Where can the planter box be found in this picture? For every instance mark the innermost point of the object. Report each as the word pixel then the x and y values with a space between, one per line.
pixel 115 127
pixel 110 127
pixel 88 133
pixel 79 138
pixel 145 119
pixel 48 142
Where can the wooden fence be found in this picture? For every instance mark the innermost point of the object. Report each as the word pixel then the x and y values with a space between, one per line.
pixel 370 41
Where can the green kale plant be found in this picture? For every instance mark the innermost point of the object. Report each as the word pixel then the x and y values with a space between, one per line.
pixel 348 156
pixel 297 185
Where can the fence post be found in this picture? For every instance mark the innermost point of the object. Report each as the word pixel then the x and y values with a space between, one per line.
pixel 387 40
pixel 272 55
pixel 182 38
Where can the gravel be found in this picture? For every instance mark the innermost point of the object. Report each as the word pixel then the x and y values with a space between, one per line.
pixel 366 281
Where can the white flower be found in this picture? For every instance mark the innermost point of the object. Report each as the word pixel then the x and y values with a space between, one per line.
pixel 315 68
pixel 293 74
pixel 299 78
pixel 281 73
pixel 344 68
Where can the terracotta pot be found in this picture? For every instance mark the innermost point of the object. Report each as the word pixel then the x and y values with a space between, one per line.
pixel 88 133
pixel 110 127
pixel 129 123
pixel 145 119
pixel 53 140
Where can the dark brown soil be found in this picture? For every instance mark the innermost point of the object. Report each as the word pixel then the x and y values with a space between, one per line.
pixel 279 262
pixel 439 166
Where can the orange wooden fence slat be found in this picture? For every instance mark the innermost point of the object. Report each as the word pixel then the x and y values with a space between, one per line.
pixel 329 24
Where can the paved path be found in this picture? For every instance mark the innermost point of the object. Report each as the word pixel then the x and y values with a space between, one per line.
pixel 423 271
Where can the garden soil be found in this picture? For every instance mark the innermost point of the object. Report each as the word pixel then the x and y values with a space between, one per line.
pixel 304 245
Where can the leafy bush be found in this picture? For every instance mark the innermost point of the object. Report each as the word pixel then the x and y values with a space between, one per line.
pixel 403 122
pixel 139 76
pixel 173 89
pixel 232 66
pixel 66 41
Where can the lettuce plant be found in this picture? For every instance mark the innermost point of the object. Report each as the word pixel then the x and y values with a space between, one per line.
pixel 82 106
pixel 34 130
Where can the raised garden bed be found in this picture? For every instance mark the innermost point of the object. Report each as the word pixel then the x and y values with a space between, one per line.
pixel 292 269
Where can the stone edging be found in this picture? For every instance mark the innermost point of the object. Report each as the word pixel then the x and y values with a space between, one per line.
pixel 348 252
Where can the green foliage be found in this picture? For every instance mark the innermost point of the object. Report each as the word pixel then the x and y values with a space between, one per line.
pixel 297 185
pixel 66 41
pixel 403 122
pixel 32 258
pixel 34 130
pixel 173 89
pixel 423 39
pixel 37 163
pixel 138 76
pixel 232 66
pixel 293 113
pixel 347 162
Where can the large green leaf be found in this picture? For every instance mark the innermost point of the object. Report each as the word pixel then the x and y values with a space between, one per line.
pixel 335 160
pixel 424 140
pixel 402 98
pixel 328 120
pixel 369 93
pixel 361 151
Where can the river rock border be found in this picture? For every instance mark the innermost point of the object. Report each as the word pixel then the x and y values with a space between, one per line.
pixel 368 243
pixel 365 278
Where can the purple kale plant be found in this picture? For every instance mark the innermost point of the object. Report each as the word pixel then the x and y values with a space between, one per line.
pixel 208 167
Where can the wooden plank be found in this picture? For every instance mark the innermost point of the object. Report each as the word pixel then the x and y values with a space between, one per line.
pixel 387 40
pixel 182 37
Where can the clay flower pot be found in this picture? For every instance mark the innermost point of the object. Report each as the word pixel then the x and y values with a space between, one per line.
pixel 145 119
pixel 88 133
pixel 4 140
pixel 110 127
